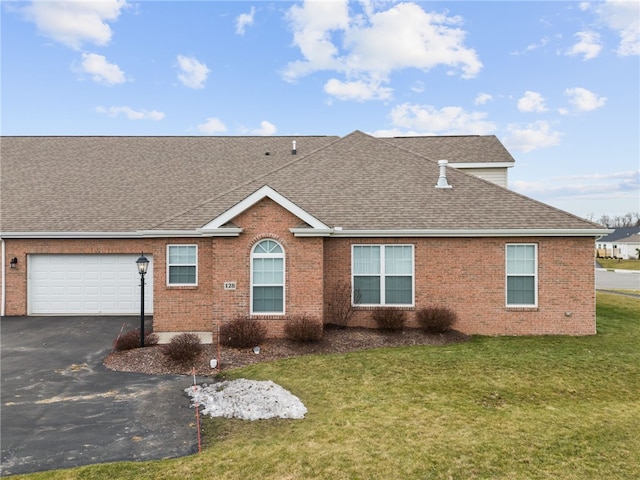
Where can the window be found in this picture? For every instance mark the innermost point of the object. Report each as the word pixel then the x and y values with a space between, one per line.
pixel 267 278
pixel 382 274
pixel 522 267
pixel 182 265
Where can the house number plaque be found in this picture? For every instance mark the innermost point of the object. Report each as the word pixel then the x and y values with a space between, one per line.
pixel 229 285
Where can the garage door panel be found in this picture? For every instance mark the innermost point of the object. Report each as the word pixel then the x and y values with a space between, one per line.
pixel 87 284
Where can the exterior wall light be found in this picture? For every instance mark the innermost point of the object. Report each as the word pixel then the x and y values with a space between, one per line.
pixel 14 262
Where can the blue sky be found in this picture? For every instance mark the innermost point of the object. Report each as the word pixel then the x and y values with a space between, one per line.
pixel 556 82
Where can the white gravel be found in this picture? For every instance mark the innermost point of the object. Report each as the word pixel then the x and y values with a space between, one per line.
pixel 246 399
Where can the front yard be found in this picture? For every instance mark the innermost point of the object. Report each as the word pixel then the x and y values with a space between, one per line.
pixel 499 408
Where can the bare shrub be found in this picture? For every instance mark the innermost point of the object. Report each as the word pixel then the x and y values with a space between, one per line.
pixel 303 329
pixel 183 349
pixel 390 319
pixel 339 305
pixel 436 319
pixel 131 340
pixel 242 332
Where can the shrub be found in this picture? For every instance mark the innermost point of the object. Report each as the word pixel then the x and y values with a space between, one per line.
pixel 131 340
pixel 436 319
pixel 242 332
pixel 183 349
pixel 303 329
pixel 390 319
pixel 340 308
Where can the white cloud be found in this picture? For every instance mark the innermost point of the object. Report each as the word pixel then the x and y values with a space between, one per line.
pixel 100 70
pixel 584 100
pixel 589 45
pixel 483 98
pixel 192 74
pixel 446 121
pixel 74 23
pixel 358 90
pixel 244 20
pixel 623 16
pixel 597 184
pixel 369 46
pixel 265 129
pixel 532 102
pixel 211 126
pixel 131 114
pixel 532 137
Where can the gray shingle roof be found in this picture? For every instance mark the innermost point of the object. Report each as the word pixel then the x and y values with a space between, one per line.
pixel 126 184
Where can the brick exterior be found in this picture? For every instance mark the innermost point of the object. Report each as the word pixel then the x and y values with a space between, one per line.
pixel 465 274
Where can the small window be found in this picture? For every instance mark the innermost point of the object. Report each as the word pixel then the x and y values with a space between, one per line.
pixel 267 278
pixel 382 274
pixel 522 275
pixel 182 265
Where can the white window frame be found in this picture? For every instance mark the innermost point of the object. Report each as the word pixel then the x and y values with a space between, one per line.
pixel 169 265
pixel 508 275
pixel 383 275
pixel 282 255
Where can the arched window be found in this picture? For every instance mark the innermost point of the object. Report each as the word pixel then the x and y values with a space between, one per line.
pixel 267 278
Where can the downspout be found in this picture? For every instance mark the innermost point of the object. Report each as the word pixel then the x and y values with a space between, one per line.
pixel 2 302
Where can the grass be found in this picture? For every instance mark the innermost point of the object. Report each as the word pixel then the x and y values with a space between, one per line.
pixel 613 264
pixel 498 408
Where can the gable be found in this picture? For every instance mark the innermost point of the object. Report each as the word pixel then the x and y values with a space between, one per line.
pixel 260 194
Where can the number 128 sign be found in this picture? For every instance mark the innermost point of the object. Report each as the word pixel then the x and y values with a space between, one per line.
pixel 229 285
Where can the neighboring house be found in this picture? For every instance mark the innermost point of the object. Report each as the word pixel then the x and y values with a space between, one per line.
pixel 618 244
pixel 271 227
pixel 630 247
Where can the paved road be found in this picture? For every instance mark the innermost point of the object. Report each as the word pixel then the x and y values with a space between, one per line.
pixel 619 280
pixel 62 408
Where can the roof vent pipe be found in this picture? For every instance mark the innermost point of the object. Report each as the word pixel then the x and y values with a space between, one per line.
pixel 442 179
pixel 293 148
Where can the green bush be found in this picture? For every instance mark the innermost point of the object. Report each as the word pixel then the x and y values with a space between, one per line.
pixel 436 319
pixel 131 340
pixel 303 329
pixel 183 349
pixel 390 319
pixel 242 332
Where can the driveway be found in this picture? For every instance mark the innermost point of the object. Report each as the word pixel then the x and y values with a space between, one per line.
pixel 62 408
pixel 618 280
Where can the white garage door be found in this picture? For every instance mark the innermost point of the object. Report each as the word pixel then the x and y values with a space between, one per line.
pixel 87 284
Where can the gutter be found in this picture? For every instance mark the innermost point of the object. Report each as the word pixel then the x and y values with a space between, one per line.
pixel 327 232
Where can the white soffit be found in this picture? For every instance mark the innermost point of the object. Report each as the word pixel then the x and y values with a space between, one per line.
pixel 255 197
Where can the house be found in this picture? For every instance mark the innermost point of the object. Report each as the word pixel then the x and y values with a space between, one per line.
pixel 272 227
pixel 620 243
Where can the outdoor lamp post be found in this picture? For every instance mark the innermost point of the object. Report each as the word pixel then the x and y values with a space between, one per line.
pixel 143 264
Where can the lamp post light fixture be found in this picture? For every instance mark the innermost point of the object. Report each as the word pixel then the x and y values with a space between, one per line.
pixel 143 264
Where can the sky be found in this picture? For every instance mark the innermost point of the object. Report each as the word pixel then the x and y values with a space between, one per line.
pixel 557 82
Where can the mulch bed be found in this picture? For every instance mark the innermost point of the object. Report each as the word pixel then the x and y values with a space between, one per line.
pixel 151 360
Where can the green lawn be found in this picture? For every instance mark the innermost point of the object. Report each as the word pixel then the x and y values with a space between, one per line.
pixel 491 408
pixel 610 263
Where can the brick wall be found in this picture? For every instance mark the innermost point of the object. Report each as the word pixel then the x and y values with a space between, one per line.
pixel 465 274
pixel 468 276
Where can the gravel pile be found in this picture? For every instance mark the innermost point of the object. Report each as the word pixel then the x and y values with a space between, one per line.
pixel 247 400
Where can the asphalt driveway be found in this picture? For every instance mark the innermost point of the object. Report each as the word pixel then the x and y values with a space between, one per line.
pixel 62 408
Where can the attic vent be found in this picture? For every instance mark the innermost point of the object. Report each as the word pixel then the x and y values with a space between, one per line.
pixel 293 148
pixel 442 179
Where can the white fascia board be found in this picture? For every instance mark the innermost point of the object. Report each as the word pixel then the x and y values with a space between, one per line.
pixel 515 232
pixel 255 197
pixel 311 232
pixel 482 164
pixel 71 235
